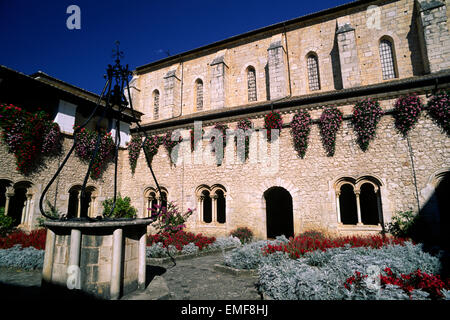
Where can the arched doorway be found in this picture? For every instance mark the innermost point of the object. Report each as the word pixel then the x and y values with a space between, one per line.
pixel 279 212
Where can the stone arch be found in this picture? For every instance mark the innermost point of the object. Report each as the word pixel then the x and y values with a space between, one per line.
pixel 359 200
pixel 78 208
pixel 279 212
pixel 20 202
pixel 388 57
pixel 293 191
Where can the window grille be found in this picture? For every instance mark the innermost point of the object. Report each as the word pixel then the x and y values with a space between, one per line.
pixel 313 72
pixel 387 60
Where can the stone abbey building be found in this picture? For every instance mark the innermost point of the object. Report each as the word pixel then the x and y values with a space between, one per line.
pixel 364 49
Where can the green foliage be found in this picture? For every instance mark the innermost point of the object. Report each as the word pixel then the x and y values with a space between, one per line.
pixel 122 209
pixel 403 224
pixel 6 223
pixel 51 212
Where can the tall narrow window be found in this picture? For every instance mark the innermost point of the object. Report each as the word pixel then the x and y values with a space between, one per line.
pixel 199 94
pixel 387 59
pixel 347 200
pixel 207 207
pixel 221 206
pixel 312 63
pixel 251 84
pixel 156 105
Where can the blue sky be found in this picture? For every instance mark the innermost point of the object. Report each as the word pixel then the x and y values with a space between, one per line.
pixel 34 35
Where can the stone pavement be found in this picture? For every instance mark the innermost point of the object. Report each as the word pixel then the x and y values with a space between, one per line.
pixel 190 279
pixel 196 279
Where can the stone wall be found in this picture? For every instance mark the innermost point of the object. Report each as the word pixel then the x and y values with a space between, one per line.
pixel 58 194
pixel 347 56
pixel 310 181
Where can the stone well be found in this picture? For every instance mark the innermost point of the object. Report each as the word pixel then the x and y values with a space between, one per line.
pixel 103 259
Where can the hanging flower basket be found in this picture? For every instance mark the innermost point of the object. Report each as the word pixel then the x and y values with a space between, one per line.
pixel 272 121
pixel 134 149
pixel 29 136
pixel 300 129
pixel 151 146
pixel 169 144
pixel 244 125
pixel 222 128
pixel 406 113
pixel 439 110
pixel 86 141
pixel 329 124
pixel 366 115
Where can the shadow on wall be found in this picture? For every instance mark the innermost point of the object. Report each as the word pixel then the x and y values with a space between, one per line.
pixel 432 226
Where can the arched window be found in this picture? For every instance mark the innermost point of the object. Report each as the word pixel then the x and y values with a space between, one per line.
pixel 251 84
pixel 206 206
pixel 212 204
pixel 359 201
pixel 347 202
pixel 387 59
pixel 155 105
pixel 199 94
pixel 154 200
pixel 78 208
pixel 312 63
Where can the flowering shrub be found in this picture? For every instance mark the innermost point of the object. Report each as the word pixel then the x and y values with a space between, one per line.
pixel 244 234
pixel 169 219
pixel 406 113
pixel 151 145
pixel 134 149
pixel 272 120
pixel 298 246
pixel 28 135
pixel 244 125
pixel 417 280
pixel 85 142
pixel 320 275
pixel 439 109
pixel 180 239
pixel 329 124
pixel 366 115
pixel 35 238
pixel 300 129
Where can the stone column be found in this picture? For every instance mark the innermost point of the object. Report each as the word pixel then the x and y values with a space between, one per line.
pixel 75 247
pixel 142 261
pixel 214 207
pixel 218 82
pixel 358 207
pixel 338 207
pixel 348 56
pixel 434 35
pixel 28 209
pixel 79 204
pixel 8 196
pixel 200 207
pixel 116 267
pixel 277 68
pixel 47 268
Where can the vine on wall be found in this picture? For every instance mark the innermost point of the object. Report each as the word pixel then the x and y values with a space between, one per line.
pixel 300 129
pixel 29 136
pixel 329 124
pixel 366 115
